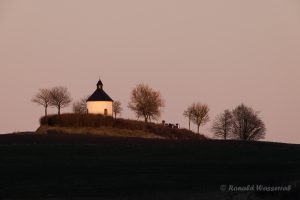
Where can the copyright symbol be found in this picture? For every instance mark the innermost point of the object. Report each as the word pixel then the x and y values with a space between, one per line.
pixel 223 188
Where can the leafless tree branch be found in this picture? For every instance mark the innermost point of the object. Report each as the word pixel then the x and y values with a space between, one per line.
pixel 146 102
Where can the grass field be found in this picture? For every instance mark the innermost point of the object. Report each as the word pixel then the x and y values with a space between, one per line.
pixel 69 166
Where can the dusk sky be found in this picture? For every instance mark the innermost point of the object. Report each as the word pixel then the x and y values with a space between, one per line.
pixel 217 52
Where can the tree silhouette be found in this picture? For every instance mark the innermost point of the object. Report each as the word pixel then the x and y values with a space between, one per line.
pixel 60 98
pixel 42 98
pixel 199 114
pixel 146 102
pixel 188 113
pixel 222 125
pixel 246 124
pixel 80 106
pixel 116 108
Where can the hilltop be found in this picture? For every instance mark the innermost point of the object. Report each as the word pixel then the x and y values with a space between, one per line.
pixel 107 126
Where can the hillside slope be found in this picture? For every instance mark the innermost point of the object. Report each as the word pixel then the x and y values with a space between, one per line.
pixel 69 166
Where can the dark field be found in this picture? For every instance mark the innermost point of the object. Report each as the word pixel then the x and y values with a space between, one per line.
pixel 69 166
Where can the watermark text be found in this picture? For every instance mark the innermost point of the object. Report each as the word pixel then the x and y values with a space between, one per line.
pixel 256 188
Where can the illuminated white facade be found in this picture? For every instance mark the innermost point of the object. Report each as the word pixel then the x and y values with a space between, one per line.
pixel 100 107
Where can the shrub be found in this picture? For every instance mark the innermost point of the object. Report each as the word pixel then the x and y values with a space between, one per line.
pixel 77 120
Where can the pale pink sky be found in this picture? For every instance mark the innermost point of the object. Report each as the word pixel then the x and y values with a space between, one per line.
pixel 217 52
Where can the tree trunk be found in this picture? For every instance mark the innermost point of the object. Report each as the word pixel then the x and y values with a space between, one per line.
pixel 189 124
pixel 45 111
pixel 198 128
pixel 146 119
pixel 58 108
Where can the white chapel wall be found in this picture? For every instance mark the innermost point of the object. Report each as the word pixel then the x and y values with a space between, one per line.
pixel 98 107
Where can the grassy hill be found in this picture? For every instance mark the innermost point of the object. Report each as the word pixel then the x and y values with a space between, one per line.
pixel 108 126
pixel 82 165
pixel 101 131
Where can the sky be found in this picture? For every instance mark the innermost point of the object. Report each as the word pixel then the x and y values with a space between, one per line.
pixel 222 53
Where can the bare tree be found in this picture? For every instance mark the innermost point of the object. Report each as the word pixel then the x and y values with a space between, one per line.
pixel 42 98
pixel 222 125
pixel 200 114
pixel 146 102
pixel 246 124
pixel 116 108
pixel 188 113
pixel 80 106
pixel 60 98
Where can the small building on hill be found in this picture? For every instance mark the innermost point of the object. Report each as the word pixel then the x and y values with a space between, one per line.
pixel 99 102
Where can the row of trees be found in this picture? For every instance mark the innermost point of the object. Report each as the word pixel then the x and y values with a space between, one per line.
pixel 241 123
pixel 198 114
pixel 144 101
pixel 60 97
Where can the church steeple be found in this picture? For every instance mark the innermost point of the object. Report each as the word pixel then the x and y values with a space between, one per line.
pixel 100 84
